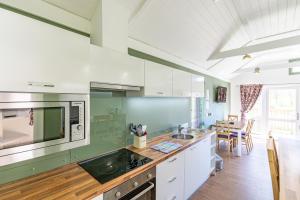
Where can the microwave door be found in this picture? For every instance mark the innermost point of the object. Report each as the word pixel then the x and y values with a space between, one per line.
pixel 31 125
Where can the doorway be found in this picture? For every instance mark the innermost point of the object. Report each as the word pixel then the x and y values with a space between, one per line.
pixel 283 110
pixel 277 109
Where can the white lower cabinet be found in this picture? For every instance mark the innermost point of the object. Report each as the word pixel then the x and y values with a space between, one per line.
pixel 180 176
pixel 197 166
pixel 99 197
pixel 170 178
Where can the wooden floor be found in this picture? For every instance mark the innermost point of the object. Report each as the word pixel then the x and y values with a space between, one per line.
pixel 243 178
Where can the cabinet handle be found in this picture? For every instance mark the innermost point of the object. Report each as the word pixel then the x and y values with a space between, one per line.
pixel 40 84
pixel 172 179
pixel 193 148
pixel 170 161
pixel 160 93
pixel 143 192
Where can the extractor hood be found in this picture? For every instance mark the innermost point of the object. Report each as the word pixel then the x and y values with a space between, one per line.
pixel 113 87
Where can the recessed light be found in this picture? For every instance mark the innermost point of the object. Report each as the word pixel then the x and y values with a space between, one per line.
pixel 247 56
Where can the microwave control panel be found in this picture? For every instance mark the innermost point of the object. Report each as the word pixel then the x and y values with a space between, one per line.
pixel 77 121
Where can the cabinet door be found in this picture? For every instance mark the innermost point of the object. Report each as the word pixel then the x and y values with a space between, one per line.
pixel 99 197
pixel 109 66
pixel 197 86
pixel 182 83
pixel 170 178
pixel 197 164
pixel 205 159
pixel 158 79
pixel 38 57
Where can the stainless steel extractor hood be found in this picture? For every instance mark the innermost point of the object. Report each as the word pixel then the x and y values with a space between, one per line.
pixel 113 87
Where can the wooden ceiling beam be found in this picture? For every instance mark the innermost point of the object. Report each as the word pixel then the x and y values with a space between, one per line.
pixel 285 42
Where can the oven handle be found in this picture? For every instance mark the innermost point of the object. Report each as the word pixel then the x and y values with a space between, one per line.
pixel 143 192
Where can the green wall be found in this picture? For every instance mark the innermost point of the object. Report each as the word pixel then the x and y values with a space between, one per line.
pixel 110 117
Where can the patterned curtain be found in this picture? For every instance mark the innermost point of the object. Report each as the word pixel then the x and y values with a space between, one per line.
pixel 249 95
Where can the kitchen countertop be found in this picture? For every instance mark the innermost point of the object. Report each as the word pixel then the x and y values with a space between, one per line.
pixel 73 182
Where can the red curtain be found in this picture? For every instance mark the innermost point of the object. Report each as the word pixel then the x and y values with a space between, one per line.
pixel 249 95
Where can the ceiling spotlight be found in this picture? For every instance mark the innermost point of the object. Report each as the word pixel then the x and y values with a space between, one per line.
pixel 257 70
pixel 247 56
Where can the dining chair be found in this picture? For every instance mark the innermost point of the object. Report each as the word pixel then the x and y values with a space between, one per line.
pixel 246 136
pixel 250 132
pixel 274 166
pixel 223 133
pixel 233 118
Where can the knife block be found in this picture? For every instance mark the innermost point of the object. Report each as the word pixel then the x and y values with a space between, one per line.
pixel 140 142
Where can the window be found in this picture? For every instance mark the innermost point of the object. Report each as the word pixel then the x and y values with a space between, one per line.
pixel 282 110
pixel 197 105
pixel 256 111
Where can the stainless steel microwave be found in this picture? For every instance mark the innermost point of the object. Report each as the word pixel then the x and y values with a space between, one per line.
pixel 36 124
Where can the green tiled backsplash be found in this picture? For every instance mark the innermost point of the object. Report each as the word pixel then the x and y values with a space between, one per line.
pixel 110 117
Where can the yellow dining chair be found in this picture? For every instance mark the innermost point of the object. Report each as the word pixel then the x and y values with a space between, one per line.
pixel 274 166
pixel 223 132
pixel 233 118
pixel 246 136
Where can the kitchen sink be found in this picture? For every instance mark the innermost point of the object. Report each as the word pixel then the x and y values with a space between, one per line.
pixel 183 136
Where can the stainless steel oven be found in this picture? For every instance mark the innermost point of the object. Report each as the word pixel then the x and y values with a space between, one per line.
pixel 144 192
pixel 36 124
pixel 140 187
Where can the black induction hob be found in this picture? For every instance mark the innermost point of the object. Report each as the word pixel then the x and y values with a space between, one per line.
pixel 109 166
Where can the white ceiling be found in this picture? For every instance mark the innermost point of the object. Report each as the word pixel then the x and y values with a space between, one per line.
pixel 194 29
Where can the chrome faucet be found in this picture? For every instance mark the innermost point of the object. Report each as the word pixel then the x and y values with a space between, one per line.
pixel 180 128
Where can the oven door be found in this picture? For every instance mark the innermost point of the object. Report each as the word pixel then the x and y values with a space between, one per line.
pixel 31 125
pixel 144 192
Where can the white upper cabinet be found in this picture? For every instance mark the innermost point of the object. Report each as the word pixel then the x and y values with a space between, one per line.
pixel 109 66
pixel 158 80
pixel 38 57
pixel 197 86
pixel 182 83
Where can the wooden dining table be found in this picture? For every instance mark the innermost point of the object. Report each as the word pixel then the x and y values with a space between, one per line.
pixel 289 168
pixel 236 126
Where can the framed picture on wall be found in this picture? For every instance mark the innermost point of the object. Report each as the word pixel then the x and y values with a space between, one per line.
pixel 221 94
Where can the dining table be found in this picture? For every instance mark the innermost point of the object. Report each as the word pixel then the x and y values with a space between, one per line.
pixel 289 168
pixel 235 126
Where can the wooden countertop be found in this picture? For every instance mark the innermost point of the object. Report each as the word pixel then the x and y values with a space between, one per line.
pixel 289 168
pixel 73 182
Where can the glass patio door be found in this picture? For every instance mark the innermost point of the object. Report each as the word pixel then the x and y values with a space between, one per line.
pixel 283 110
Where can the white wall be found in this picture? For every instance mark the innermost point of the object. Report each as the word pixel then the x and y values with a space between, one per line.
pixel 276 76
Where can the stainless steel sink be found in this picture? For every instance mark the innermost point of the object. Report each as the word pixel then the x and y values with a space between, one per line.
pixel 183 136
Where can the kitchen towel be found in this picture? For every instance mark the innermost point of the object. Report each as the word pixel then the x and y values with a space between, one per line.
pixel 166 147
